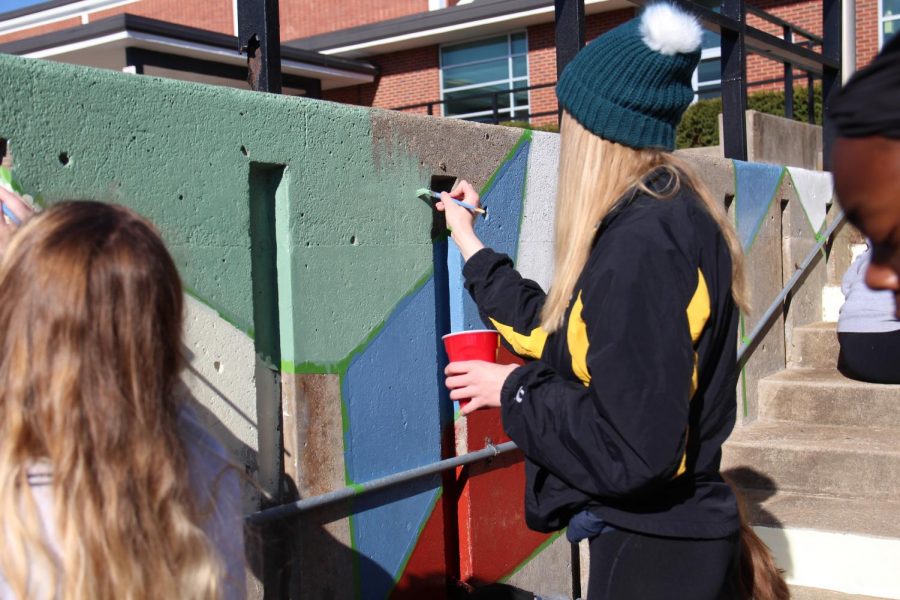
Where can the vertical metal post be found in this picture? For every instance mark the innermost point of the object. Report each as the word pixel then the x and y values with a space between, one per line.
pixel 848 40
pixel 569 33
pixel 788 78
pixel 495 108
pixel 734 84
pixel 259 36
pixel 831 77
pixel 810 99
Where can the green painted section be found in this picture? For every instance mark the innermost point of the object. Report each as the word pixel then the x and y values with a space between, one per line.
pixel 180 154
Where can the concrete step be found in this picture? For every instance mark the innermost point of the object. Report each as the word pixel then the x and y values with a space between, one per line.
pixel 858 516
pixel 808 593
pixel 813 346
pixel 830 547
pixel 826 397
pixel 860 462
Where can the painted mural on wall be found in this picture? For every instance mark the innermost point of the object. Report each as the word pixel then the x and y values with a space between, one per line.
pixel 310 261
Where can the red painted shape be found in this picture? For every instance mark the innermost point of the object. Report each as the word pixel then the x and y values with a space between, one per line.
pixel 493 538
pixel 486 499
pixel 425 574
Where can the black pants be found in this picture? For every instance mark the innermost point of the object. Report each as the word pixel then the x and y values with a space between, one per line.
pixel 873 357
pixel 627 565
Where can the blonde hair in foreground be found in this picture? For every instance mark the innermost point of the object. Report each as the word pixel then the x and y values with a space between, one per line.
pixel 91 315
pixel 595 173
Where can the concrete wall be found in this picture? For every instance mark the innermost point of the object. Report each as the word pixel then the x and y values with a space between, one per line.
pixel 320 287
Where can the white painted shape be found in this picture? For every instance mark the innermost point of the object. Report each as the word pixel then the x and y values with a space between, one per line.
pixel 437 4
pixel 832 301
pixel 234 13
pixel 847 563
pixel 85 19
pixel 535 254
pixel 535 261
pixel 130 69
pixel 220 375
pixel 815 190
pixel 58 13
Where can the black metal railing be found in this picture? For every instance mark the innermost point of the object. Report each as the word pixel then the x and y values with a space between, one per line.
pixel 500 114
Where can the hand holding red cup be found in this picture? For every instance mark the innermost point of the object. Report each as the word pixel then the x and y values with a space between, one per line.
pixel 474 378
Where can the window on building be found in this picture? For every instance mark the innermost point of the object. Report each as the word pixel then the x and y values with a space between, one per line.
pixel 889 20
pixel 708 76
pixel 471 71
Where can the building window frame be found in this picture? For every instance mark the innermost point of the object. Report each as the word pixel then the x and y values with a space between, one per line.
pixel 882 19
pixel 699 86
pixel 511 80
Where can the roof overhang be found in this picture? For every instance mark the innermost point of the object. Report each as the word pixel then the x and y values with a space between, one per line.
pixel 443 26
pixel 104 43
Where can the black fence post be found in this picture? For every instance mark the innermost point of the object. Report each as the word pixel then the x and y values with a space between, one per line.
pixel 810 99
pixel 259 36
pixel 788 78
pixel 495 108
pixel 831 75
pixel 569 33
pixel 734 84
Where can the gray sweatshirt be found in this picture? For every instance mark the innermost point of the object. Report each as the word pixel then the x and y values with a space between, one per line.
pixel 215 485
pixel 865 310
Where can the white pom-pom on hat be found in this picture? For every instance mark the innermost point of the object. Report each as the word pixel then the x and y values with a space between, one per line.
pixel 670 30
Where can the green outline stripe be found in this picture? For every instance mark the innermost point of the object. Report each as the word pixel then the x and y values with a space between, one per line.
pixel 532 556
pixel 525 137
pixel 403 564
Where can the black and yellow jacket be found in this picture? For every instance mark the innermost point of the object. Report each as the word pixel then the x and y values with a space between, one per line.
pixel 624 409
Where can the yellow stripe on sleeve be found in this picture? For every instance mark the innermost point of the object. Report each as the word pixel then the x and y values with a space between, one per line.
pixel 527 346
pixel 577 339
pixel 698 311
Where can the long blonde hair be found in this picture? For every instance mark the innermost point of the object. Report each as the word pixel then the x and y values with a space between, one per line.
pixel 593 175
pixel 91 315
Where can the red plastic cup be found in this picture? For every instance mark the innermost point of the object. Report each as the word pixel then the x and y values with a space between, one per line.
pixel 472 345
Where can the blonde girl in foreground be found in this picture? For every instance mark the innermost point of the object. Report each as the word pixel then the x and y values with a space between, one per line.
pixel 630 391
pixel 109 486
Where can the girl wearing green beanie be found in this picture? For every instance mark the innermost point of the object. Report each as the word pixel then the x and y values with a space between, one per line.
pixel 629 392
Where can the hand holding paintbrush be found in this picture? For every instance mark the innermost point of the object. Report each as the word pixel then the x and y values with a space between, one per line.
pixel 461 206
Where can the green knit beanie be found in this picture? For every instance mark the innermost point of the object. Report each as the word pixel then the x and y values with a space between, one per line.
pixel 632 84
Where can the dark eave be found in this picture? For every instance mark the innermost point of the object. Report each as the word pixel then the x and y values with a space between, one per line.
pixel 136 24
pixel 436 19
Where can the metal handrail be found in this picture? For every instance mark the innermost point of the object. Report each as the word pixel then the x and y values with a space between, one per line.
pixel 283 511
pixel 750 342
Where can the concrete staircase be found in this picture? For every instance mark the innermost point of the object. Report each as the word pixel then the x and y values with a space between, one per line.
pixel 820 471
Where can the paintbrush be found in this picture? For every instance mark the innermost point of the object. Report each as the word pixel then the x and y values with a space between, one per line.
pixel 426 193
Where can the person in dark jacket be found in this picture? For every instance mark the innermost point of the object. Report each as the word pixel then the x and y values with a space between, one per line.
pixel 630 389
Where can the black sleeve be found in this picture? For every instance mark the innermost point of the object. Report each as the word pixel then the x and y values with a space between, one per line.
pixel 625 431
pixel 507 301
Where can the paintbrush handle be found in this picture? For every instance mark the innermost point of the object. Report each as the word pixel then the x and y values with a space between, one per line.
pixel 480 211
pixel 13 218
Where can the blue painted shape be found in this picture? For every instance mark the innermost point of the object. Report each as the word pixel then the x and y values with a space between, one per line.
pixel 500 231
pixel 755 186
pixel 392 391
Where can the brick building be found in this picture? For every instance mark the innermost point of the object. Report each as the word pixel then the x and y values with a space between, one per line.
pixel 388 53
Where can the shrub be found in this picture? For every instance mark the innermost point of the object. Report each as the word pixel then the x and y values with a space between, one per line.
pixel 551 127
pixel 700 124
